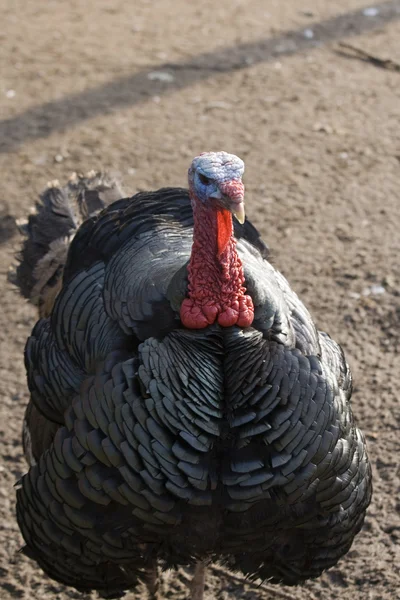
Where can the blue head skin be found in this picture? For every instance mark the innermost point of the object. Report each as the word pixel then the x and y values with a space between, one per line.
pixel 218 176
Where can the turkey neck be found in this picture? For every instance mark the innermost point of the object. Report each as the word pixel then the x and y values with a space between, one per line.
pixel 214 260
pixel 216 289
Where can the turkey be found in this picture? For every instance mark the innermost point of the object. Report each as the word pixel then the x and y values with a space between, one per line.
pixel 183 407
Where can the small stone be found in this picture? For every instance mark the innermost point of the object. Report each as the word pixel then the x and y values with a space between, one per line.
pixel 21 222
pixel 371 12
pixel 323 127
pixel 389 281
pixel 374 290
pixel 131 171
pixel 58 158
pixel 160 76
pixel 10 93
pixel 308 34
pixel 54 183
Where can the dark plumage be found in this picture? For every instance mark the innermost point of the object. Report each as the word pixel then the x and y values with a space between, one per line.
pixel 50 229
pixel 176 444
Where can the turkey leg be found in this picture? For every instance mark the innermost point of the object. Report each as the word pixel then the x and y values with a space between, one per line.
pixel 152 582
pixel 197 583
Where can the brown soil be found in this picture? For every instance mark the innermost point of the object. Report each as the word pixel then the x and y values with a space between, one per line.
pixel 319 132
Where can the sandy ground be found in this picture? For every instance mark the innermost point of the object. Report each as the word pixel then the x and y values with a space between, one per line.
pixel 142 87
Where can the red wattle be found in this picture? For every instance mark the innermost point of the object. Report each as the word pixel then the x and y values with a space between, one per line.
pixel 194 316
pixel 246 311
pixel 228 317
pixel 224 229
pixel 216 280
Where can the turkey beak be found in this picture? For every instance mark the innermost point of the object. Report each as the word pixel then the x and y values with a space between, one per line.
pixel 238 210
pixel 231 194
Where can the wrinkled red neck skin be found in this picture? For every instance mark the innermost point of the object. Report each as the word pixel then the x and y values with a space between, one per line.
pixel 215 272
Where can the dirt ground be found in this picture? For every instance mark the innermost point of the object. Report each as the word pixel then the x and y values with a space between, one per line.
pixel 142 87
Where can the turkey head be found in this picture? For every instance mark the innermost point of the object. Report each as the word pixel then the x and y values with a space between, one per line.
pixel 216 280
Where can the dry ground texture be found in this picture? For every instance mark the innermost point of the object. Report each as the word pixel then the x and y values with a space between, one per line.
pixel 142 87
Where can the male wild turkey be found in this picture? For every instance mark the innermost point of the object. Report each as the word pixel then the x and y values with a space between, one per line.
pixel 184 408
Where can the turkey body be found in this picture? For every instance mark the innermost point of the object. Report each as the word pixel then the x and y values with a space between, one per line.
pixel 150 441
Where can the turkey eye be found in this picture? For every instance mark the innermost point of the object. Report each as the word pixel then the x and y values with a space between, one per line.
pixel 205 180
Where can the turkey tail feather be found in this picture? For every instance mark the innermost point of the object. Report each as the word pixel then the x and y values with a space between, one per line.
pixel 50 230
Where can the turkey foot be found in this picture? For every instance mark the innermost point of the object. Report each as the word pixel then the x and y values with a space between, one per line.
pixel 197 584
